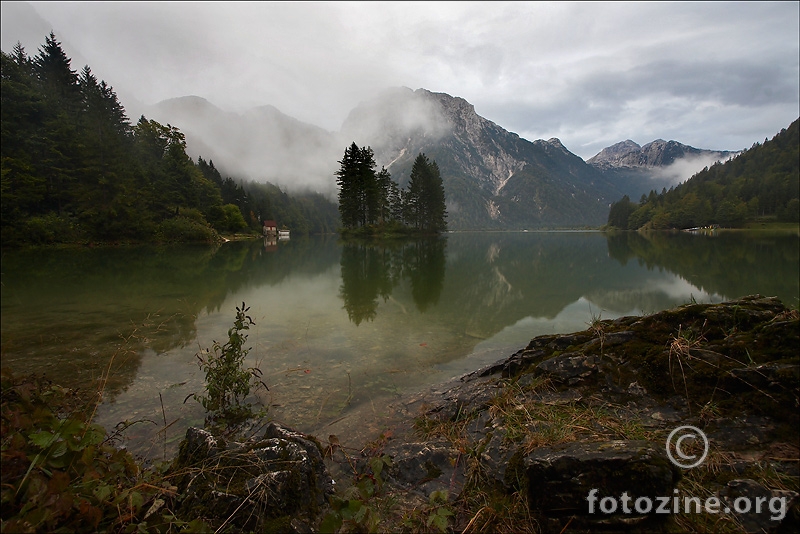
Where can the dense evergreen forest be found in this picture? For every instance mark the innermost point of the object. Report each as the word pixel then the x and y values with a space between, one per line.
pixel 371 202
pixel 762 183
pixel 75 170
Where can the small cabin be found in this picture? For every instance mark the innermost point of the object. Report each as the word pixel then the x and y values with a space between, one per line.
pixel 270 228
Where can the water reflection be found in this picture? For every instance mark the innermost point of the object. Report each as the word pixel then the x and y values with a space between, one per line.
pixel 371 271
pixel 341 326
pixel 728 263
pixel 79 314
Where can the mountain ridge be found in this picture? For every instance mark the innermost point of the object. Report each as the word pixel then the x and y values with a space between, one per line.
pixel 656 153
pixel 494 178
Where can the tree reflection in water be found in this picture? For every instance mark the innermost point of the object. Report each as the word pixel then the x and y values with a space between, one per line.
pixel 370 271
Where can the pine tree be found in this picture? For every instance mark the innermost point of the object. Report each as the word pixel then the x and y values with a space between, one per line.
pixel 59 81
pixel 360 195
pixel 349 202
pixel 425 201
pixel 384 182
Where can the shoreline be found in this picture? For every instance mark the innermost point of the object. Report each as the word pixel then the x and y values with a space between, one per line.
pixel 622 383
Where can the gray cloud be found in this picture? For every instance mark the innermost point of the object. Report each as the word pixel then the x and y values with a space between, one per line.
pixel 713 75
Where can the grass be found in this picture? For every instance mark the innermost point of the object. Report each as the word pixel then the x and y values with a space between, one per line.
pixel 527 420
pixel 773 226
pixel 702 482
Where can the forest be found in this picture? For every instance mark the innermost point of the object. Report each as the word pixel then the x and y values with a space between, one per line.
pixel 371 203
pixel 76 170
pixel 762 183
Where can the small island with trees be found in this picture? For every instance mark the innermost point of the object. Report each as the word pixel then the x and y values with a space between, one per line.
pixel 372 204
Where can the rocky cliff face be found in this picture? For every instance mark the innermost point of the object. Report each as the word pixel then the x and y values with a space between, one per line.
pixel 658 153
pixel 657 165
pixel 492 177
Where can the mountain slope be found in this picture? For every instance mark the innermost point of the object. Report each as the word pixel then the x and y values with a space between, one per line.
pixel 493 178
pixel 659 164
pixel 261 145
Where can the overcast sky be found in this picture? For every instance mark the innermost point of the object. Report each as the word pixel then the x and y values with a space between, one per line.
pixel 712 75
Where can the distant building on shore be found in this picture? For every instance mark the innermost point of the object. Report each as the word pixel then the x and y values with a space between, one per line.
pixel 270 228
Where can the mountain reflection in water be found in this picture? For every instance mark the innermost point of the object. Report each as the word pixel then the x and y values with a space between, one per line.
pixel 343 328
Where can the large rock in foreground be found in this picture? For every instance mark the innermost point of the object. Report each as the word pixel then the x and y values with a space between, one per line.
pixel 561 478
pixel 593 410
pixel 278 483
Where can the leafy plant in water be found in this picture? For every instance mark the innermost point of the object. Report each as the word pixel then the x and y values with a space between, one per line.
pixel 228 382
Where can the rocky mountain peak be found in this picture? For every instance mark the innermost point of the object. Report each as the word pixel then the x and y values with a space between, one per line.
pixel 658 153
pixel 614 155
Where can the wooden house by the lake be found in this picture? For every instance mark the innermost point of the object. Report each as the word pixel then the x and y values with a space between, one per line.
pixel 270 228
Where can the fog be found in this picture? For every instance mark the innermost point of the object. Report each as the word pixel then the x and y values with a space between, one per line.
pixel 683 169
pixel 716 75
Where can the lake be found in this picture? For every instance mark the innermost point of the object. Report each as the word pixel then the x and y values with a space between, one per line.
pixel 342 330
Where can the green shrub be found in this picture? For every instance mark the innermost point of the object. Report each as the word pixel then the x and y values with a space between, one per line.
pixel 227 380
pixel 61 474
pixel 186 229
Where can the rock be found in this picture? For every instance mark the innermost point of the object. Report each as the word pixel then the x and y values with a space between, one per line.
pixel 636 390
pixel 279 480
pixel 610 339
pixel 427 467
pixel 498 460
pixel 561 478
pixel 769 375
pixel 198 445
pixel 759 509
pixel 570 365
pixel 522 360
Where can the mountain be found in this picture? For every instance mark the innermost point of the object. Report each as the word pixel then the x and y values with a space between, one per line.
pixel 261 145
pixel 658 153
pixel 759 184
pixel 659 164
pixel 493 178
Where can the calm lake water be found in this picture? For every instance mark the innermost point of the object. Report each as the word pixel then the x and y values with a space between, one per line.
pixel 343 330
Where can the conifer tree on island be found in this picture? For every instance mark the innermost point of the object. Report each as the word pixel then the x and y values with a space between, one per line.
pixel 371 201
pixel 426 196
